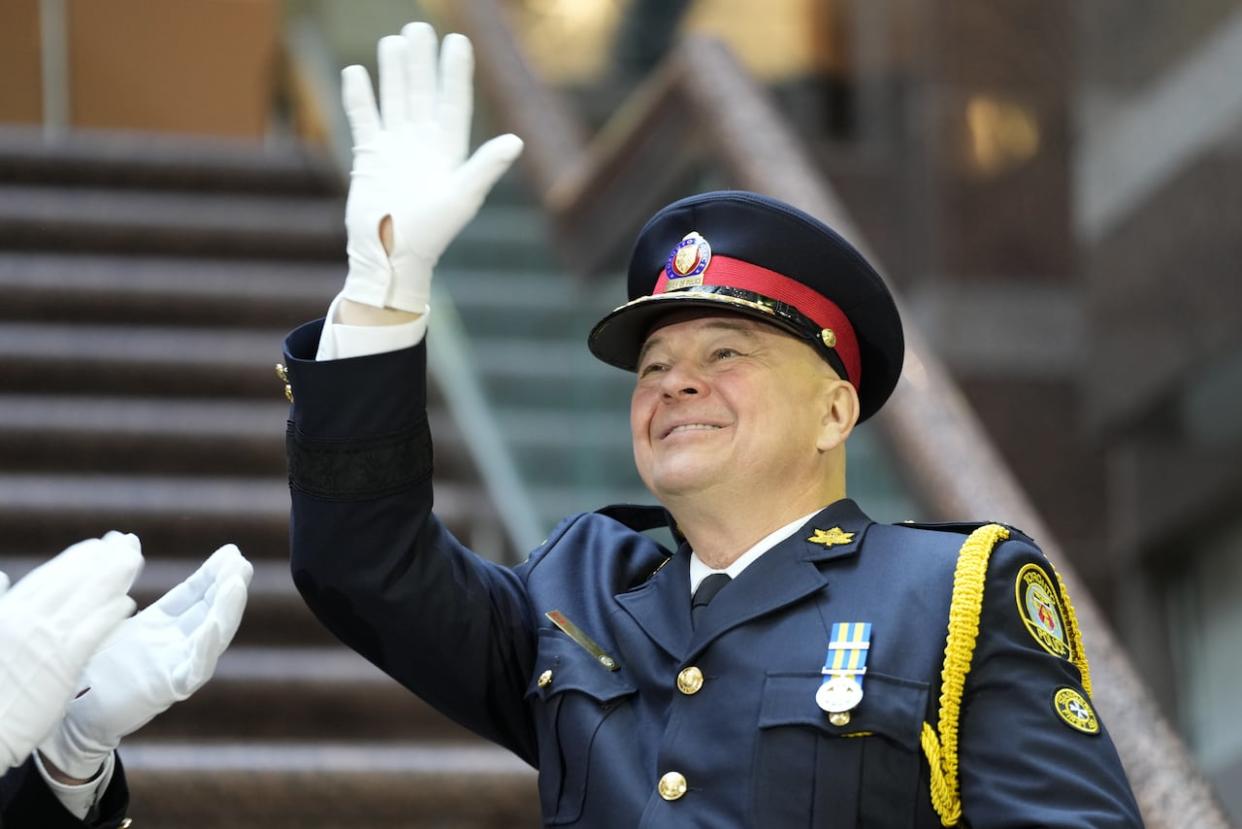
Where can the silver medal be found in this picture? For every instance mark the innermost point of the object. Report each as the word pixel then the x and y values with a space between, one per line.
pixel 838 695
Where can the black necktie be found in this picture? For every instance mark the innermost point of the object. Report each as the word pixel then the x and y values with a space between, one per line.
pixel 708 588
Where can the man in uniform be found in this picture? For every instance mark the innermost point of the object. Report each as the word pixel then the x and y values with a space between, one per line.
pixel 792 663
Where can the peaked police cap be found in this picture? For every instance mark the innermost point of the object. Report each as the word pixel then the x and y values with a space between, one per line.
pixel 739 252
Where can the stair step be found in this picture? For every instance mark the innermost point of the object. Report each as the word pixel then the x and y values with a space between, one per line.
pixel 524 373
pixel 556 446
pixel 538 429
pixel 107 359
pixel 157 161
pixel 165 290
pixel 329 692
pixel 204 224
pixel 502 238
pixel 275 613
pixel 316 785
pixel 150 434
pixel 174 513
pixel 555 501
pixel 519 289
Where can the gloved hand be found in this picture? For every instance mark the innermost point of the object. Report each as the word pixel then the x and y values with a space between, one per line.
pixel 410 165
pixel 50 623
pixel 161 656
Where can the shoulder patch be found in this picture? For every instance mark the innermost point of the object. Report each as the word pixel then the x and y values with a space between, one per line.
pixel 1039 606
pixel 1074 710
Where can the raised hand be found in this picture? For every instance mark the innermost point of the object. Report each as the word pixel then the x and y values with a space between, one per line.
pixel 411 175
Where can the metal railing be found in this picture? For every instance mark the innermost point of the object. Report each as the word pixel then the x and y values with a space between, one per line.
pixel 601 190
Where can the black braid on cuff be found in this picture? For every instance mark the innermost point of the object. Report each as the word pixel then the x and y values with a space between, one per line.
pixel 357 470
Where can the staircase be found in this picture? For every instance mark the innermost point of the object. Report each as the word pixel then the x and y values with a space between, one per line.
pixel 147 286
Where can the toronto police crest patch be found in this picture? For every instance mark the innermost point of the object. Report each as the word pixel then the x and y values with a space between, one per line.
pixel 1040 608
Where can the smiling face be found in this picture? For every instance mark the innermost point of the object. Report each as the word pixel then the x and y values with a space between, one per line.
pixel 724 404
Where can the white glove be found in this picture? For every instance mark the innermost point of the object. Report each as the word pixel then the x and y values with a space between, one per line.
pixel 161 656
pixel 50 623
pixel 410 165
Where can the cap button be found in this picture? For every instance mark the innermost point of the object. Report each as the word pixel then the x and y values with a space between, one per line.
pixel 829 337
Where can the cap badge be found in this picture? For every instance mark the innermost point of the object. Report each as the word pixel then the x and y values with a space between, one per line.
pixel 687 261
pixel 832 537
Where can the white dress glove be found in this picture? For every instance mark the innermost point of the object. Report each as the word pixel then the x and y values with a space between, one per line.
pixel 161 656
pixel 410 164
pixel 50 623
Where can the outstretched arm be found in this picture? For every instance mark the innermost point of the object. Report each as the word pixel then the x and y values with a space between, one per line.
pixel 371 560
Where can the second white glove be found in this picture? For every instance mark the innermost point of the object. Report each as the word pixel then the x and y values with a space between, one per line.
pixel 160 656
pixel 410 165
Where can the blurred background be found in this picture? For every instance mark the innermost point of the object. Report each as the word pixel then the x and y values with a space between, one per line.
pixel 1054 190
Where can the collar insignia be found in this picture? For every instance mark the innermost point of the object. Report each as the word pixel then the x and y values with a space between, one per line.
pixel 831 538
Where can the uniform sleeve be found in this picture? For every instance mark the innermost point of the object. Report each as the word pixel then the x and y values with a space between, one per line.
pixel 1033 751
pixel 372 561
pixel 79 800
pixel 26 800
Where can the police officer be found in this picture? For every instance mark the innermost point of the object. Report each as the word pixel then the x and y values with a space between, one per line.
pixel 76 675
pixel 792 663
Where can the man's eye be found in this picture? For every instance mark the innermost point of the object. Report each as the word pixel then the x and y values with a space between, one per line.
pixel 725 353
pixel 650 368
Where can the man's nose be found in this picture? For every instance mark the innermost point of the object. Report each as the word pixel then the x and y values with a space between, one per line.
pixel 681 381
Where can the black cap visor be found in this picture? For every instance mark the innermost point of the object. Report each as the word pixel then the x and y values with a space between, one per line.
pixel 618 338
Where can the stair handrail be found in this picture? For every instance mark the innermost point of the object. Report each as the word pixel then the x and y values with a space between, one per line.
pixel 449 361
pixel 951 463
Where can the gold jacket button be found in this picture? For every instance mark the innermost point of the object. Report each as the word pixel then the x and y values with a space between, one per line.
pixel 282 372
pixel 672 786
pixel 289 392
pixel 690 680
pixel 545 679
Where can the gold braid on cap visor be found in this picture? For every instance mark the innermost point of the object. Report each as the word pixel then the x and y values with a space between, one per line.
pixel 783 314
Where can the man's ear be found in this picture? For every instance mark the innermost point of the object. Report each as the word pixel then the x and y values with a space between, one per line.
pixel 840 413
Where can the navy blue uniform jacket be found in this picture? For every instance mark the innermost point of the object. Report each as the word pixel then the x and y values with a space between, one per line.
pixel 470 637
pixel 27 803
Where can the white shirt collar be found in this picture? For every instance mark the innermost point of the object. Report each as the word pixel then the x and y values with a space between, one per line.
pixel 700 571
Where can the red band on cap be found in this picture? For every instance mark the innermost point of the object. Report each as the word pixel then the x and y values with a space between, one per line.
pixel 725 271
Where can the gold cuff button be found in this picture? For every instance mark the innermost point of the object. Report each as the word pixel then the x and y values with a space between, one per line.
pixel 672 786
pixel 289 392
pixel 282 372
pixel 690 680
pixel 829 337
pixel 545 679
